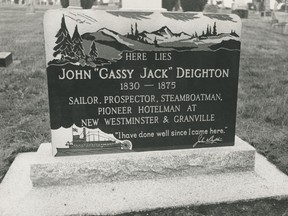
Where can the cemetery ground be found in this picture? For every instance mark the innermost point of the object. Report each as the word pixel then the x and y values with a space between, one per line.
pixel 262 117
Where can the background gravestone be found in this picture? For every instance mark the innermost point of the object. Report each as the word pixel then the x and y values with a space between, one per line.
pixel 5 59
pixel 139 4
pixel 141 84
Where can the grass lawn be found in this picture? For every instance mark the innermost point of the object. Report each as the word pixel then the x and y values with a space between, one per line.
pixel 263 91
pixel 262 103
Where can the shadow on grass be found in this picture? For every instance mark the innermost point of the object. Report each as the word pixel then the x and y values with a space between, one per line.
pixel 263 207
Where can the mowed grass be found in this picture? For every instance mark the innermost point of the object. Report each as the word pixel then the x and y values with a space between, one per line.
pixel 24 119
pixel 262 118
pixel 263 91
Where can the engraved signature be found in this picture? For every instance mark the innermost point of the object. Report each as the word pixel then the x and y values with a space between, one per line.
pixel 204 140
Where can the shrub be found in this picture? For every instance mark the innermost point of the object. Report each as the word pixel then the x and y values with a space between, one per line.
pixel 169 4
pixel 65 3
pixel 87 4
pixel 193 5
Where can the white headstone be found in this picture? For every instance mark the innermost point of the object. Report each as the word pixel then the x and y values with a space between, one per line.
pixel 142 4
pixel 239 5
pixel 31 8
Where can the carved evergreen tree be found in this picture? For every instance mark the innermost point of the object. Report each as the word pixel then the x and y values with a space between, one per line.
pixel 77 45
pixel 214 29
pixel 203 34
pixel 155 42
pixel 132 30
pixel 93 54
pixel 207 31
pixel 136 31
pixel 64 43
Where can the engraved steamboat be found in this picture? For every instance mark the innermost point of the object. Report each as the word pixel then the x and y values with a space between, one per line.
pixel 93 142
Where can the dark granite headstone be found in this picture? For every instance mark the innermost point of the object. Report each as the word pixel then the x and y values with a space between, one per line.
pixel 135 81
pixel 5 59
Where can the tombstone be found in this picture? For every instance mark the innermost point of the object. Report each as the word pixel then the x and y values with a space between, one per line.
pixel 280 24
pixel 5 59
pixel 281 28
pixel 31 7
pixel 111 3
pixel 141 85
pixel 74 4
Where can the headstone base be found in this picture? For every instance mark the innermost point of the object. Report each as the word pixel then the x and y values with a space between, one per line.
pixel 103 168
pixel 5 59
pixel 19 197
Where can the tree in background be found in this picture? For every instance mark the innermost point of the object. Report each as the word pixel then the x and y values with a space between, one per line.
pixel 64 3
pixel 193 5
pixel 169 4
pixel 87 4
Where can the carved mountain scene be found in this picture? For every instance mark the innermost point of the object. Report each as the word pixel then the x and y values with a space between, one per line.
pixel 111 44
pixel 106 45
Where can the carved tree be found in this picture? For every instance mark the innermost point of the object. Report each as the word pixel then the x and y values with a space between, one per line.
pixel 214 29
pixel 77 45
pixel 93 53
pixel 132 30
pixel 136 31
pixel 64 42
pixel 155 42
